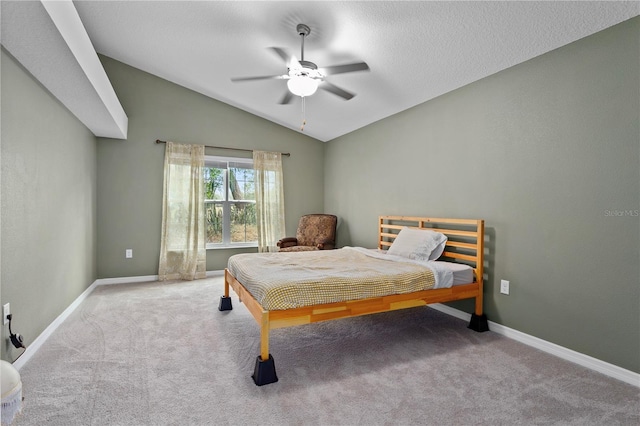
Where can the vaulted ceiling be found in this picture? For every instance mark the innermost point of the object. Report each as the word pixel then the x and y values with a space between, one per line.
pixel 415 51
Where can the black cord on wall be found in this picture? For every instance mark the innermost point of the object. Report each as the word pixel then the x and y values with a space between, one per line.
pixel 16 339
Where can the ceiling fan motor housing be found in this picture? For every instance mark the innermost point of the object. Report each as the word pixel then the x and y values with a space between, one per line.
pixel 308 64
pixel 303 30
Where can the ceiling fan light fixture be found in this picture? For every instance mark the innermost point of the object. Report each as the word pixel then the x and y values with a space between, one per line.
pixel 304 77
pixel 302 85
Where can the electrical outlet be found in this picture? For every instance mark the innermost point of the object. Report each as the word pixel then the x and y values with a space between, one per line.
pixel 6 311
pixel 504 286
pixel 128 253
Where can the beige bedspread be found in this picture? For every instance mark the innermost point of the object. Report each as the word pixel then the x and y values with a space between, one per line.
pixel 291 280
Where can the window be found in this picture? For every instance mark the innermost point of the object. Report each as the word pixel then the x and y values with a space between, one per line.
pixel 230 202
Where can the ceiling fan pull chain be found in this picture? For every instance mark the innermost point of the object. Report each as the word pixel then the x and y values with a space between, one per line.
pixel 304 115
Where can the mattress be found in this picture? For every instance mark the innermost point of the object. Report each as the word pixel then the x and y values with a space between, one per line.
pixel 462 274
pixel 289 280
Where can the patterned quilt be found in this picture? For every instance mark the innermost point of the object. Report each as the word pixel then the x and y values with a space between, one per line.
pixel 291 280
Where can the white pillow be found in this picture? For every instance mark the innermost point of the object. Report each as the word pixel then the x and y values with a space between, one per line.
pixel 418 244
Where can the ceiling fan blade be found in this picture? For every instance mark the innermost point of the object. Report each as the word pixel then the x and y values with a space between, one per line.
pixel 340 69
pixel 325 85
pixel 291 61
pixel 282 53
pixel 264 77
pixel 286 98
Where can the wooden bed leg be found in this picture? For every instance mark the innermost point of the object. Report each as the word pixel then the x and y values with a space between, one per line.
pixel 226 283
pixel 225 301
pixel 264 336
pixel 265 369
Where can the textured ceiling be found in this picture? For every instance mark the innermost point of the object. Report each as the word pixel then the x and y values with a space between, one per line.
pixel 415 50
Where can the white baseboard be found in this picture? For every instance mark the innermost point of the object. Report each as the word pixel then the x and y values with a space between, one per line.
pixel 38 341
pixel 587 361
pixel 146 278
pixel 127 280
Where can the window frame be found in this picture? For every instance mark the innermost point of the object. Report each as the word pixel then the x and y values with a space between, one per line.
pixel 212 161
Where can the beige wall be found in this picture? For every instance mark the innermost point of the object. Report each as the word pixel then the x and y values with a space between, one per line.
pixel 546 152
pixel 130 171
pixel 48 216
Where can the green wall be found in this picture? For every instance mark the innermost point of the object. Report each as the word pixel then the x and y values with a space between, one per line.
pixel 547 152
pixel 130 172
pixel 48 213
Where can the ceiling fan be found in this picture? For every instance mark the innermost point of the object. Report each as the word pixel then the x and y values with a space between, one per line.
pixel 304 77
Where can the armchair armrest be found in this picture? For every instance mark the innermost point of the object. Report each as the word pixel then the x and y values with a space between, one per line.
pixel 287 242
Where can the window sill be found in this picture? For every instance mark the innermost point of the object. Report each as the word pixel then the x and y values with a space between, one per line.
pixel 230 246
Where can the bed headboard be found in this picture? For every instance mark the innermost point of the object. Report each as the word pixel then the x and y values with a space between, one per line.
pixel 465 242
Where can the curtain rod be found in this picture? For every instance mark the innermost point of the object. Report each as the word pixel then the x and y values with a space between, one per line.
pixel 285 154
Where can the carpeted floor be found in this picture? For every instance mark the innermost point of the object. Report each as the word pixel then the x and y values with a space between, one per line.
pixel 162 354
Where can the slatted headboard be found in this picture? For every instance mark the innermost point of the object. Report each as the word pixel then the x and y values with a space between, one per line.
pixel 465 242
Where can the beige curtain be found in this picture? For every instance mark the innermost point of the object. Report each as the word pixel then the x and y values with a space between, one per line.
pixel 269 199
pixel 182 247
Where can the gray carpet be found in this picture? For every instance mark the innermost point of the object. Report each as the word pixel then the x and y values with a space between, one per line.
pixel 162 354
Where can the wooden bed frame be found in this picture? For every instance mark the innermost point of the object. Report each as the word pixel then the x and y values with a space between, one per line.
pixel 465 244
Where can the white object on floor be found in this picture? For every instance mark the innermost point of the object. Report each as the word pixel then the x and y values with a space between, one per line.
pixel 11 388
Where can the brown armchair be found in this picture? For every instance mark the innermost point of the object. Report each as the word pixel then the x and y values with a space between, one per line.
pixel 315 232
